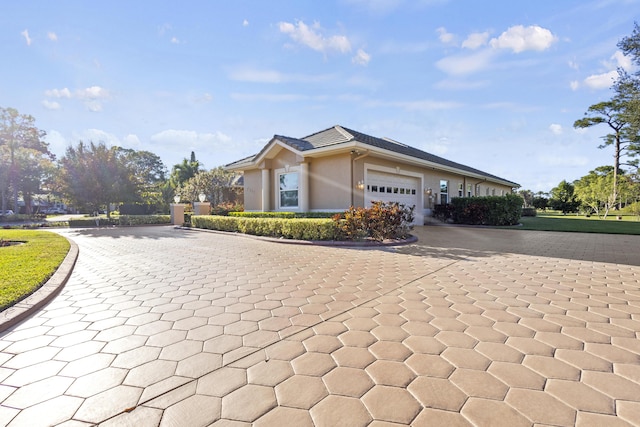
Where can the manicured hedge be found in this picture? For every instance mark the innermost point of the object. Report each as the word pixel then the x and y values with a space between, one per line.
pixel 491 210
pixel 288 228
pixel 283 214
pixel 121 220
pixel 529 212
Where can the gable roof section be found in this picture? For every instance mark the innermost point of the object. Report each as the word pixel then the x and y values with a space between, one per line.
pixel 338 135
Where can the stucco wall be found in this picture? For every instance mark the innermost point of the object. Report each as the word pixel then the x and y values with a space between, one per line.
pixel 330 182
pixel 253 190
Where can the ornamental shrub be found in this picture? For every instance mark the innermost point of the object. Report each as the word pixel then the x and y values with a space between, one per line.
pixel 381 221
pixel 490 210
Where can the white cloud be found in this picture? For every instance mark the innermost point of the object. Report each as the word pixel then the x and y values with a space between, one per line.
pixel 131 141
pixel 574 85
pixel 519 39
pixel 52 36
pixel 97 135
pixel 192 139
pixel 622 61
pixel 361 58
pixel 25 34
pixel 466 64
pixel 58 93
pixel 555 128
pixel 245 23
pixel 93 92
pixel 313 38
pixel 51 105
pixel 445 36
pixel 476 40
pixel 601 81
pixel 175 40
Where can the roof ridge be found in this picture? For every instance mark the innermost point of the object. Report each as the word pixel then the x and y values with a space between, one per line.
pixel 344 132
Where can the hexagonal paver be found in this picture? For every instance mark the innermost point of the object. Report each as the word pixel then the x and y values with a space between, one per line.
pixel 322 344
pixel 300 391
pixel 479 384
pixel 357 339
pixel 353 357
pixel 269 373
pixel 316 364
pixel 386 372
pixel 282 416
pixel 541 407
pixel 437 393
pixel 391 404
pixel 222 381
pixel 194 410
pixel 348 382
pixel 335 410
pixel 248 403
pixel 390 351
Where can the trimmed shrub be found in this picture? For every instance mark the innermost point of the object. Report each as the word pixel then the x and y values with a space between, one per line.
pixel 92 222
pixel 288 228
pixel 143 219
pixel 490 210
pixel 137 209
pixel 443 212
pixel 529 212
pixel 282 214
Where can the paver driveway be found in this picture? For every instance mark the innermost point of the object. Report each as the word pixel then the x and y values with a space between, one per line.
pixel 159 326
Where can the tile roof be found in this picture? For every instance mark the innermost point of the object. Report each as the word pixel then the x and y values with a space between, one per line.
pixel 337 135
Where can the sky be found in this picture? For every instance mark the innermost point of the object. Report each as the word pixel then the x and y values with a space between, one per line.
pixel 495 85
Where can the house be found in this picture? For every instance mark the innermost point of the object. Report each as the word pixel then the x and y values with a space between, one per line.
pixel 338 167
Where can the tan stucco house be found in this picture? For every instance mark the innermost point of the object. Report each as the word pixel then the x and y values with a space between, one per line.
pixel 338 167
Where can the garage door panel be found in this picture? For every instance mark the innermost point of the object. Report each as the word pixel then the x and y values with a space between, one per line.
pixel 392 188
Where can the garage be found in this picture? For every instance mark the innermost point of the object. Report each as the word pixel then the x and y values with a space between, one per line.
pixel 389 187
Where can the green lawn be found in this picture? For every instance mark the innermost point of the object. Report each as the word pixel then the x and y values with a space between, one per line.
pixel 551 221
pixel 24 267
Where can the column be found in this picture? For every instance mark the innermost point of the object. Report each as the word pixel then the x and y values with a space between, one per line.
pixel 201 208
pixel 303 189
pixel 177 213
pixel 266 189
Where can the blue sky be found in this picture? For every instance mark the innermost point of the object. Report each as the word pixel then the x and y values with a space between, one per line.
pixel 494 85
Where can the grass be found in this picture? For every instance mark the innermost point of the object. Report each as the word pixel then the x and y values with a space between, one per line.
pixel 554 221
pixel 24 267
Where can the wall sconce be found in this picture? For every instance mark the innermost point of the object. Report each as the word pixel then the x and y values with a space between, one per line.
pixel 176 199
pixel 360 185
pixel 202 197
pixel 286 168
pixel 428 192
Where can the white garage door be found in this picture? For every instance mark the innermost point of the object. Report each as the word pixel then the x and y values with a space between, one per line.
pixel 391 188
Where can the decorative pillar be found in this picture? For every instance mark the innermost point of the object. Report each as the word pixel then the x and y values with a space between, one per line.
pixel 266 189
pixel 177 213
pixel 201 208
pixel 303 190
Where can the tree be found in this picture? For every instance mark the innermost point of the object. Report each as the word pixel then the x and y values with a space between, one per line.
pixel 21 147
pixel 217 184
pixel 621 114
pixel 594 190
pixel 527 196
pixel 148 174
pixel 93 176
pixel 183 172
pixel 563 198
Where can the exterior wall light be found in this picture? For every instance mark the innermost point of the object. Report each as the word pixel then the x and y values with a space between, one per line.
pixel 176 199
pixel 360 185
pixel 202 197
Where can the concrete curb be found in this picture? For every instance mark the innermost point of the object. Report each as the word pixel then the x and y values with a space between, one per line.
pixel 43 295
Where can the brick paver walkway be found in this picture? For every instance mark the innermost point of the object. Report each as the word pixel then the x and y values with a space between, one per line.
pixel 159 326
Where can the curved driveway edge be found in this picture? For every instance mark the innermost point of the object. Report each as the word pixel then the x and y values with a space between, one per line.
pixel 41 296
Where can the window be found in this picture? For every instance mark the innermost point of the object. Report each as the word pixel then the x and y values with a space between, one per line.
pixel 288 190
pixel 460 189
pixel 469 189
pixel 444 191
pixel 493 191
